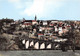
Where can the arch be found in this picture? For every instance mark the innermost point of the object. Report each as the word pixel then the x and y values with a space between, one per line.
pixel 31 43
pixel 27 44
pixel 23 41
pixel 42 46
pixel 36 45
pixel 49 46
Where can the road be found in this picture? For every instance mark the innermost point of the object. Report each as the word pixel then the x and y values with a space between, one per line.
pixel 40 53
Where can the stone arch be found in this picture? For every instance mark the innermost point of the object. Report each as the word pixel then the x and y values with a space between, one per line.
pixel 23 41
pixel 27 44
pixel 48 46
pixel 36 46
pixel 31 43
pixel 42 46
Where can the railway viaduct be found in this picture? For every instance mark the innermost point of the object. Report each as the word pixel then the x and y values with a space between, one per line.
pixel 39 44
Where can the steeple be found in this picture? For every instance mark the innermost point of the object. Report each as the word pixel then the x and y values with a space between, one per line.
pixel 35 17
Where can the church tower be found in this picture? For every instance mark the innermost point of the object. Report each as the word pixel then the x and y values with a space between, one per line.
pixel 35 17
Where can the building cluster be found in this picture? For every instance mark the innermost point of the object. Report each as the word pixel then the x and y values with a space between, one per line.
pixel 48 30
pixel 41 29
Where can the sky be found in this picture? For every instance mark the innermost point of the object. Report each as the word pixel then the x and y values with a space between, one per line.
pixel 43 9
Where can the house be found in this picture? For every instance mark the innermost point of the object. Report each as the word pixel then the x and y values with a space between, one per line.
pixel 51 24
pixel 45 23
pixel 54 22
pixel 27 23
pixel 60 31
pixel 40 35
pixel 68 27
pixel 34 22
pixel 56 29
pixel 64 29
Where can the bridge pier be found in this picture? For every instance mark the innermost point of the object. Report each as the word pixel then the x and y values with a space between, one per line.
pixel 27 44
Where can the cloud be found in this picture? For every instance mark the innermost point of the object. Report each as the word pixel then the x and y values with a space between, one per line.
pixel 36 8
pixel 43 7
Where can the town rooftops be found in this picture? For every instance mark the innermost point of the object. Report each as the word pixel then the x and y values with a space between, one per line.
pixel 40 34
pixel 27 21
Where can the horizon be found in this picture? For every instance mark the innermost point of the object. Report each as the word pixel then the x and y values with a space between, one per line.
pixel 40 19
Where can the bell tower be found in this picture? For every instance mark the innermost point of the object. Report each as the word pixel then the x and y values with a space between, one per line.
pixel 35 17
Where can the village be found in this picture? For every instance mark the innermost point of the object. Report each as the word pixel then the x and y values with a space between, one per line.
pixel 13 32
